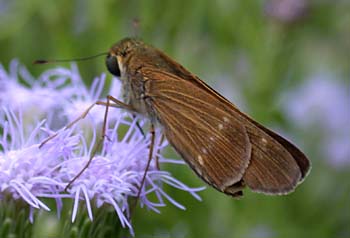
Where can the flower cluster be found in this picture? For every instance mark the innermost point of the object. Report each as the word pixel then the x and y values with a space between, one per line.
pixel 31 172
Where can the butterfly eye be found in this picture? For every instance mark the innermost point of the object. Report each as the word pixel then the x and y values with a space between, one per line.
pixel 112 65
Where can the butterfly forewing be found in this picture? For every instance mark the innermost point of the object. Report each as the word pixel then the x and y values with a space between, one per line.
pixel 232 142
pixel 203 130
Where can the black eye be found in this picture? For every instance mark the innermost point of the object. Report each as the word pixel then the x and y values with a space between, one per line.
pixel 112 65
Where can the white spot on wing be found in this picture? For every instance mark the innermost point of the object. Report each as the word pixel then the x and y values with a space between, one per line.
pixel 263 140
pixel 200 159
pixel 211 138
pixel 204 150
pixel 226 119
pixel 221 126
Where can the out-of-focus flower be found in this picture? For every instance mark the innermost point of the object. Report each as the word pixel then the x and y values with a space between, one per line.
pixel 30 173
pixel 262 231
pixel 324 103
pixel 32 99
pixel 55 90
pixel 287 11
pixel 4 7
pixel 78 102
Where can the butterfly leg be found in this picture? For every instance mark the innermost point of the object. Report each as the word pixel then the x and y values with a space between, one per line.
pixel 82 116
pixel 151 147
pixel 99 143
pixel 158 151
pixel 107 104
pixel 116 103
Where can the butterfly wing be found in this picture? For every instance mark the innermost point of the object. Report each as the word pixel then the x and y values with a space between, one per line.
pixel 200 128
pixel 222 145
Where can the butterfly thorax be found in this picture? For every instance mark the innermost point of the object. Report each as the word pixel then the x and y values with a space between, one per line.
pixel 134 67
pixel 134 81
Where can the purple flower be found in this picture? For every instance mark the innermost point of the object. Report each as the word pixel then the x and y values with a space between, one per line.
pixel 261 231
pixel 323 104
pixel 37 98
pixel 30 173
pixel 287 11
pixel 58 95
pixel 26 171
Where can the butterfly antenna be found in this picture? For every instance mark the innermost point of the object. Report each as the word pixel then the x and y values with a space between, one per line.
pixel 43 61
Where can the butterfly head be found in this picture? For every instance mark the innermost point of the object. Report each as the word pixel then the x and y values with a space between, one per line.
pixel 120 53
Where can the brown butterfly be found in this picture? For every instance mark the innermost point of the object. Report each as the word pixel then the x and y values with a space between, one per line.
pixel 224 146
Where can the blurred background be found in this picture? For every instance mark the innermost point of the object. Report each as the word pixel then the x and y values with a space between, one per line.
pixel 284 62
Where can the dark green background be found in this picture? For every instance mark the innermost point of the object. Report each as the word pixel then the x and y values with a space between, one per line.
pixel 235 46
